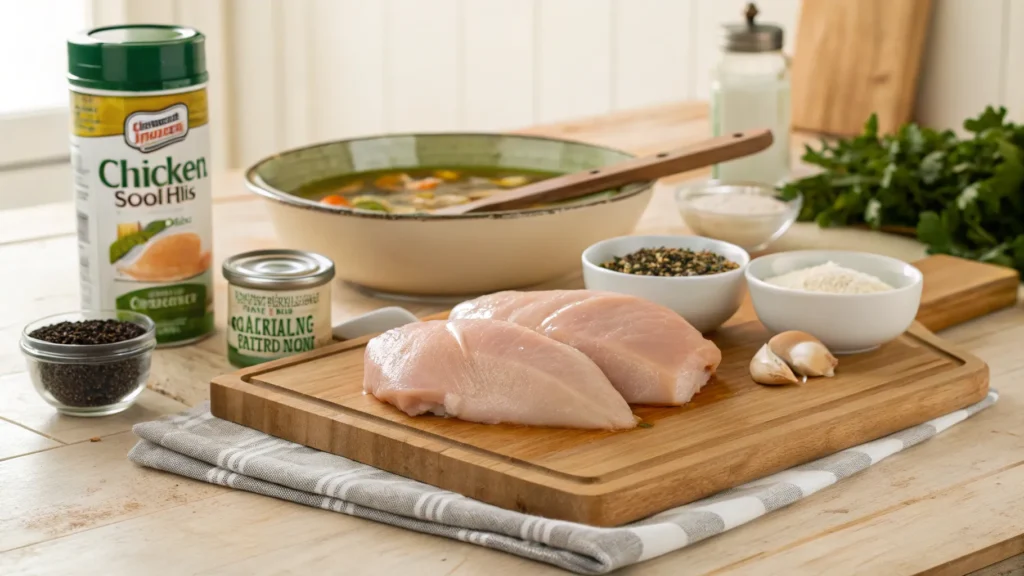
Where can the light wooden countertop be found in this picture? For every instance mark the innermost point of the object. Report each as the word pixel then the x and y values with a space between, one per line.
pixel 70 502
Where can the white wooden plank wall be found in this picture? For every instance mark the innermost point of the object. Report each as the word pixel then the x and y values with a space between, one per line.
pixel 574 41
pixel 967 59
pixel 348 48
pixel 285 73
pixel 653 52
pixel 444 65
pixel 409 65
pixel 1013 79
pixel 423 81
pixel 498 56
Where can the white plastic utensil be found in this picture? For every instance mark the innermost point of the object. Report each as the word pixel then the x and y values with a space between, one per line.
pixel 380 320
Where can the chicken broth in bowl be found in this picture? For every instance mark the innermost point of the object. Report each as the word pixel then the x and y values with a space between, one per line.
pixel 371 205
pixel 423 190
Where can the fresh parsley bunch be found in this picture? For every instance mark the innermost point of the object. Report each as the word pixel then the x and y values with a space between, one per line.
pixel 964 196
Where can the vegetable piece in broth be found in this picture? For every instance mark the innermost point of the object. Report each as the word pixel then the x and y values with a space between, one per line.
pixel 424 184
pixel 370 203
pixel 511 181
pixel 422 190
pixel 335 200
pixel 350 188
pixel 391 182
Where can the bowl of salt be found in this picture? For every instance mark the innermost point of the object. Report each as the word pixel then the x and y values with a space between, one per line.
pixel 747 214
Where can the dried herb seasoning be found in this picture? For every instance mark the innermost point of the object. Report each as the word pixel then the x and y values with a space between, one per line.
pixel 91 383
pixel 664 261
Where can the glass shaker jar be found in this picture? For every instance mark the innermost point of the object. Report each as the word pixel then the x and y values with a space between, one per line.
pixel 750 90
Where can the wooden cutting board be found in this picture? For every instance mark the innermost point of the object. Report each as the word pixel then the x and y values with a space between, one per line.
pixel 735 430
pixel 855 57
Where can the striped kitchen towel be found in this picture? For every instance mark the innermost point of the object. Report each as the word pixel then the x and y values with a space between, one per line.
pixel 199 446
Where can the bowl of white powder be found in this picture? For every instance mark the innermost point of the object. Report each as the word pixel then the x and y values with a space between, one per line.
pixel 746 214
pixel 852 301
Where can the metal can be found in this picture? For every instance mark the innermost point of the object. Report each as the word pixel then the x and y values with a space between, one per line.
pixel 279 304
pixel 140 150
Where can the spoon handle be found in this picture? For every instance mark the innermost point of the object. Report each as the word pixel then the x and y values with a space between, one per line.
pixel 644 168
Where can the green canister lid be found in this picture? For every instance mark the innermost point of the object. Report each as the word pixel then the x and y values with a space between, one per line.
pixel 137 58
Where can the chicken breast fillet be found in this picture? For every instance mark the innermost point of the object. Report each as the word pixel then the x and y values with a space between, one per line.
pixel 492 372
pixel 649 353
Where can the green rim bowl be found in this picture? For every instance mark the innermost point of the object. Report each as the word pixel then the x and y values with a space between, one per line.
pixel 422 255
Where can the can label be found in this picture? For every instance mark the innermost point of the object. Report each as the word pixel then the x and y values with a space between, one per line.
pixel 265 325
pixel 142 193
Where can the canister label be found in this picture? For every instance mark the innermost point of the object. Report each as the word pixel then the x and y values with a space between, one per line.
pixel 265 325
pixel 143 200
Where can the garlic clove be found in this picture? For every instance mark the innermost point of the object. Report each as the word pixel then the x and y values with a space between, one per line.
pixel 767 368
pixel 804 353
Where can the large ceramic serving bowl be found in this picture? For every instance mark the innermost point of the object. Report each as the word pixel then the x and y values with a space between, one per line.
pixel 424 255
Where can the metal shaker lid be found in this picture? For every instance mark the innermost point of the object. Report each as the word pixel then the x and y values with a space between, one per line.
pixel 751 36
pixel 278 269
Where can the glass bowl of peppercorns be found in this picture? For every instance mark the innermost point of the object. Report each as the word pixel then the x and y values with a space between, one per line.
pixel 90 363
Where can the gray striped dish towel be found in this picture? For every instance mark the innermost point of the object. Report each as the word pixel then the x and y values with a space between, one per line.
pixel 199 446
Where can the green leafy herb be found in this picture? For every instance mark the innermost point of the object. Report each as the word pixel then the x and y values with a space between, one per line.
pixel 122 246
pixel 963 195
pixel 370 205
pixel 645 425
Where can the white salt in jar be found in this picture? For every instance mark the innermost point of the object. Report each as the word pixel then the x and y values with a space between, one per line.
pixel 750 90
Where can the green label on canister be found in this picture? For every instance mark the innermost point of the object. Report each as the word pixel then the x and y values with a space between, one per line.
pixel 181 311
pixel 265 325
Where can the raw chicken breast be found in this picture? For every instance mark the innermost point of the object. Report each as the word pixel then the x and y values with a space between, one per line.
pixel 650 353
pixel 491 371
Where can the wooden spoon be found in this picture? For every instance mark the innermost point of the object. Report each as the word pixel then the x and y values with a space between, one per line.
pixel 641 169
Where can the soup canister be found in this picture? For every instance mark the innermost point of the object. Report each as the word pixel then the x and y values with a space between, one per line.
pixel 140 151
pixel 279 304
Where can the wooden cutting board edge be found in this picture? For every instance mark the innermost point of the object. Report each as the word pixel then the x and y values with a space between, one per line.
pixel 988 294
pixel 241 398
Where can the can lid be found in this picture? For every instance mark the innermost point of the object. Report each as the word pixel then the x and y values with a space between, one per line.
pixel 753 37
pixel 278 269
pixel 137 57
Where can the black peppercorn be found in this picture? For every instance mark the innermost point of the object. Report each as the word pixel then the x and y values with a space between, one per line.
pixel 91 383
pixel 670 262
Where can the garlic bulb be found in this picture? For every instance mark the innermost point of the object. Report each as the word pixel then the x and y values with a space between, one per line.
pixel 804 353
pixel 767 368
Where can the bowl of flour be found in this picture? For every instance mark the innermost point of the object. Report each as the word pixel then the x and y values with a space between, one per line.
pixel 851 301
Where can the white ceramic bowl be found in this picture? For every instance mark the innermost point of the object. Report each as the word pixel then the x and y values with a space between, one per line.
pixel 846 323
pixel 706 302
